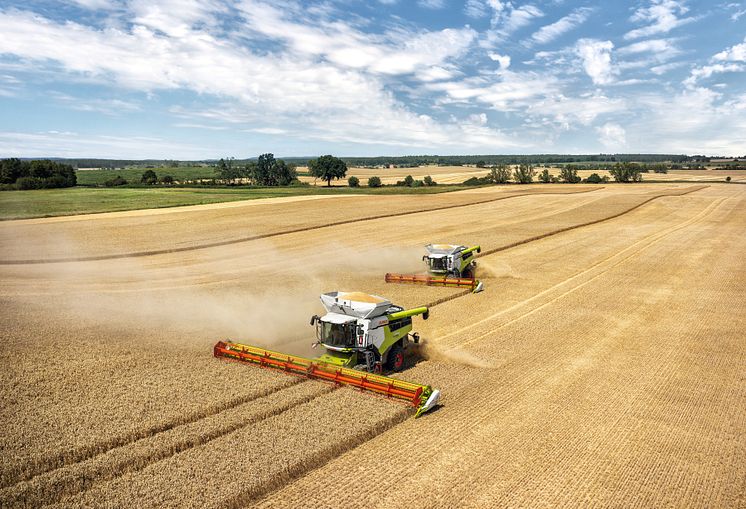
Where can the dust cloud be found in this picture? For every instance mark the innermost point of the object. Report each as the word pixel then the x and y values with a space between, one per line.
pixel 259 292
pixel 433 352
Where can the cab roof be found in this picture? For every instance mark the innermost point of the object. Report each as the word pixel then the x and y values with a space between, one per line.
pixel 443 249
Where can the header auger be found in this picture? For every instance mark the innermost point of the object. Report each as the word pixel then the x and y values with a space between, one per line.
pixel 448 265
pixel 364 335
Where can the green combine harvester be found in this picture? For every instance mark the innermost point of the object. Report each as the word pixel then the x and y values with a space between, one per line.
pixel 364 336
pixel 447 265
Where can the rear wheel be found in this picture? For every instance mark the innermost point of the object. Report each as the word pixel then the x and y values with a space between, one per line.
pixel 395 358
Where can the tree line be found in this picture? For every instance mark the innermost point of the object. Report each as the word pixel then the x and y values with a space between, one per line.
pixel 37 174
pixel 525 174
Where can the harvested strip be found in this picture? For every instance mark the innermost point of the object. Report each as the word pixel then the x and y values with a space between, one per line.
pixel 82 433
pixel 135 456
pixel 195 247
pixel 486 252
pixel 241 466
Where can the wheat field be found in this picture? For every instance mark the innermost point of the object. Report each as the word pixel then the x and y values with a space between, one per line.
pixel 602 366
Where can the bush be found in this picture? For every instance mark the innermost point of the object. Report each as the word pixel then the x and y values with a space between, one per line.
pixel 727 179
pixel 545 176
pixel 374 182
pixel 478 181
pixel 429 181
pixel 166 179
pixel 149 177
pixel 26 183
pixel 353 181
pixel 594 178
pixel 116 181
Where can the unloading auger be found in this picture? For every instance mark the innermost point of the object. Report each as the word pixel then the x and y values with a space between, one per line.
pixel 364 335
pixel 448 265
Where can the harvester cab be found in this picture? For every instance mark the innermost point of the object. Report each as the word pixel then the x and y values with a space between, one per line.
pixel 364 332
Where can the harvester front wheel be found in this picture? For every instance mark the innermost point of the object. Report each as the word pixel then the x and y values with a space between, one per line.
pixel 395 358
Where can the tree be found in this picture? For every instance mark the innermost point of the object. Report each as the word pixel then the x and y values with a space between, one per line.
pixel 481 164
pixel 408 181
pixel 428 181
pixel 569 174
pixel 269 171
pixel 374 182
pixel 353 181
pixel 149 177
pixel 545 176
pixel 524 174
pixel 166 179
pixel 227 171
pixel 500 174
pixel 11 170
pixel 626 172
pixel 327 168
pixel 36 174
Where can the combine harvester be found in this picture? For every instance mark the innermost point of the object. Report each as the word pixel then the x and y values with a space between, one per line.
pixel 363 335
pixel 448 265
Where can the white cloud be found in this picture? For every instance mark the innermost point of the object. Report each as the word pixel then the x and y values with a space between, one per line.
pixel 596 58
pixel 662 16
pixel 504 91
pixel 475 8
pixel 111 107
pixel 520 17
pixel 507 19
pixel 400 52
pixel 432 4
pixel 735 53
pixel 658 46
pixel 734 59
pixel 568 112
pixel 612 136
pixel 663 69
pixel 706 71
pixel 337 102
pixel 70 144
pixel 710 125
pixel 503 60
pixel 95 4
pixel 549 33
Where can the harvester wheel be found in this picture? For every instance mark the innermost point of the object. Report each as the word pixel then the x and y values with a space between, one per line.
pixel 395 359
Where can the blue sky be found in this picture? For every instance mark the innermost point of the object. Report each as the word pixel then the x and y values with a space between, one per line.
pixel 190 79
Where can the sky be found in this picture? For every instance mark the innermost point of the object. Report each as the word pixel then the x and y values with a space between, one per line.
pixel 187 79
